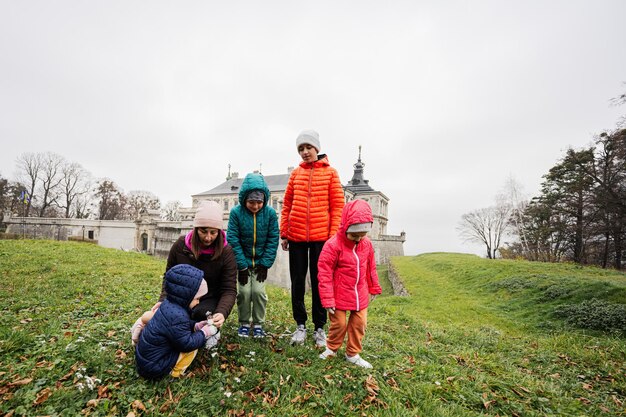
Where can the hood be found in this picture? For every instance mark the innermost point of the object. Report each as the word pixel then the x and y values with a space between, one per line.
pixel 182 282
pixel 355 211
pixel 251 183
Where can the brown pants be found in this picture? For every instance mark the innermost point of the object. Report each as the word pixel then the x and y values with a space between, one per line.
pixel 340 324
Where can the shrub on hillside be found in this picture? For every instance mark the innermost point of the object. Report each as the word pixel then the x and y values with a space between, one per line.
pixel 554 292
pixel 594 314
pixel 514 284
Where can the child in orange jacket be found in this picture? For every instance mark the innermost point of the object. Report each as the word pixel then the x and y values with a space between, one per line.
pixel 310 216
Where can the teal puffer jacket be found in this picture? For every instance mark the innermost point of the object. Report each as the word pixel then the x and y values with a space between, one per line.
pixel 253 236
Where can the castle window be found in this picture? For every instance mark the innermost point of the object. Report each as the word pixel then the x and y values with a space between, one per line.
pixel 225 205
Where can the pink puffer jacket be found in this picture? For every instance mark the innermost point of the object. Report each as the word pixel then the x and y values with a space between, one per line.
pixel 347 270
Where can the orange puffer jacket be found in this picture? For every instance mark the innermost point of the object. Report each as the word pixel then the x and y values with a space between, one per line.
pixel 313 202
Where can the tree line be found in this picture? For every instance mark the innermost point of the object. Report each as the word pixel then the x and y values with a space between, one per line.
pixel 579 215
pixel 48 185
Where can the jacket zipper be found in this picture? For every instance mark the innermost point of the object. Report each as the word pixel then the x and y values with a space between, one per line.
pixel 308 206
pixel 253 238
pixel 358 277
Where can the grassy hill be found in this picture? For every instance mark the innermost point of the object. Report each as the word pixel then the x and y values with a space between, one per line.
pixel 475 337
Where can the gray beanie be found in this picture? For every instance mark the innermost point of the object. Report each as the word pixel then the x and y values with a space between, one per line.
pixel 360 227
pixel 311 137
pixel 256 195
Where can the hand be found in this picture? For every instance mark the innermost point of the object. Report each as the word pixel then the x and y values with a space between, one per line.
pixel 199 325
pixel 218 320
pixel 242 277
pixel 284 244
pixel 373 297
pixel 331 310
pixel 261 273
pixel 155 307
pixel 208 330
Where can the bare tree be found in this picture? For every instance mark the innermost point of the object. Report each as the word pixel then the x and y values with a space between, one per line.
pixel 29 167
pixel 171 211
pixel 486 226
pixel 513 195
pixel 51 177
pixel 75 184
pixel 139 200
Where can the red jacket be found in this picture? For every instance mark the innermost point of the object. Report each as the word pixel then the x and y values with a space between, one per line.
pixel 347 270
pixel 312 203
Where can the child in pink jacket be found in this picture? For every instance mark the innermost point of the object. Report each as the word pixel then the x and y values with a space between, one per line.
pixel 348 281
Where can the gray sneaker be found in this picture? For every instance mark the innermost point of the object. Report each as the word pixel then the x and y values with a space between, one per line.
pixel 297 338
pixel 320 337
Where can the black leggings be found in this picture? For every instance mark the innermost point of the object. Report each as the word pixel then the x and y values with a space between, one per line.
pixel 303 256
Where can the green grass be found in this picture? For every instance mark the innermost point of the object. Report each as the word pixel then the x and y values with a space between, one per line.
pixel 476 337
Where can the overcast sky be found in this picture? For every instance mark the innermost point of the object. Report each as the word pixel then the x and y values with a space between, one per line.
pixel 447 98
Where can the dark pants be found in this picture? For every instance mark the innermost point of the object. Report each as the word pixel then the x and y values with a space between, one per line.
pixel 302 256
pixel 208 304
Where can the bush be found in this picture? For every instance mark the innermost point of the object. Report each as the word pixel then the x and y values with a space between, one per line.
pixel 594 314
pixel 8 236
pixel 515 284
pixel 555 291
pixel 80 239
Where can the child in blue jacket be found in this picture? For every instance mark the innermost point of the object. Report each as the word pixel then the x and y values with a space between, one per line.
pixel 253 235
pixel 171 339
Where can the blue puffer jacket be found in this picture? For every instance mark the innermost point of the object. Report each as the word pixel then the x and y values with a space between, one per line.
pixel 253 237
pixel 171 330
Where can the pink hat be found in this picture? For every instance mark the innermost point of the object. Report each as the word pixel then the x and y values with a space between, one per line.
pixel 209 214
pixel 202 290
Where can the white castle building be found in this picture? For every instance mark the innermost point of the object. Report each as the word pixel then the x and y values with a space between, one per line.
pixel 150 234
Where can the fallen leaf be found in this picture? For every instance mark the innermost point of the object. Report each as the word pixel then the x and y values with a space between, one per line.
pixel 103 391
pixel 111 333
pixel 372 386
pixel 131 414
pixel 21 382
pixel 232 346
pixel 584 400
pixel 588 387
pixel 92 403
pixel 138 405
pixel 42 396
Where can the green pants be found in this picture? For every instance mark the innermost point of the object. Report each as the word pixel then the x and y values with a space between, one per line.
pixel 251 301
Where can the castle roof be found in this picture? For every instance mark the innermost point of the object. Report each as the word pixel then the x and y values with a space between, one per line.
pixel 275 183
pixel 358 183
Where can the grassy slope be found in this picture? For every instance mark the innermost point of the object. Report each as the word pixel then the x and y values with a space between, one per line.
pixel 474 338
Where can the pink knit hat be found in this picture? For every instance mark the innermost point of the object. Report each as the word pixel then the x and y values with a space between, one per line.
pixel 204 288
pixel 209 214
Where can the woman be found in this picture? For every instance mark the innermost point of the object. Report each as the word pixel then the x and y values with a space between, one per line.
pixel 205 247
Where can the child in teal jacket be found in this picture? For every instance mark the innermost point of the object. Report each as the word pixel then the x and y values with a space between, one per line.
pixel 253 234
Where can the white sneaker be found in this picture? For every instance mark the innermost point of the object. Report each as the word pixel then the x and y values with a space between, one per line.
pixel 212 341
pixel 327 354
pixel 320 337
pixel 358 361
pixel 299 335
